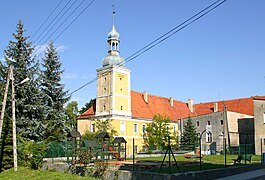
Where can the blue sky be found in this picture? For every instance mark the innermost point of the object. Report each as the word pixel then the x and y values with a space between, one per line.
pixel 221 56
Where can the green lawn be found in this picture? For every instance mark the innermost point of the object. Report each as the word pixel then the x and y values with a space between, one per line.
pixel 26 173
pixel 208 162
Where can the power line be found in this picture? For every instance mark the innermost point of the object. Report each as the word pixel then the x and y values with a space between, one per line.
pixel 164 37
pixel 52 21
pixel 69 23
pixel 75 19
pixel 39 42
pixel 46 19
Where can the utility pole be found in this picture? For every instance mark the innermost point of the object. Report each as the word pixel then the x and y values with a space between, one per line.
pixel 4 102
pixel 14 119
pixel 10 76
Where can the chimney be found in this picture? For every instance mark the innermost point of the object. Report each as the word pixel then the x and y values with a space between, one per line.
pixel 145 94
pixel 171 101
pixel 190 105
pixel 215 107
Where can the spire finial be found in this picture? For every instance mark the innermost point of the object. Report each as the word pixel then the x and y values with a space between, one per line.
pixel 113 14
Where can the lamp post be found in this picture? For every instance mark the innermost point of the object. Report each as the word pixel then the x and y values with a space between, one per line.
pixel 10 76
pixel 201 148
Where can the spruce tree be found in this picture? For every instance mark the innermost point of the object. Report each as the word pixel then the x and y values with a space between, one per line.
pixel 29 110
pixel 189 138
pixel 54 95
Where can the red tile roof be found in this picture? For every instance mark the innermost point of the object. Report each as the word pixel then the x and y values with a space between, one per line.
pixel 88 113
pixel 243 106
pixel 259 97
pixel 157 105
pixel 161 105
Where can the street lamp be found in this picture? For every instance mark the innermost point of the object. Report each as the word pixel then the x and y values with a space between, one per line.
pixel 10 76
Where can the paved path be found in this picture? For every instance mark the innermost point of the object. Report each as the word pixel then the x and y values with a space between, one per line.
pixel 257 174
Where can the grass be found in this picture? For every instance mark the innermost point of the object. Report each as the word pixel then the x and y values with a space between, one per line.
pixel 26 173
pixel 208 162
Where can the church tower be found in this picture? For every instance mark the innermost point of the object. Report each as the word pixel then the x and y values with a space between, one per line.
pixel 113 81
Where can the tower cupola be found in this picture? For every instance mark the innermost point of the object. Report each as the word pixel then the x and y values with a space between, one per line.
pixel 113 57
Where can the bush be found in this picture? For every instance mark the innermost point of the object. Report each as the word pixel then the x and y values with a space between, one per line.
pixel 32 153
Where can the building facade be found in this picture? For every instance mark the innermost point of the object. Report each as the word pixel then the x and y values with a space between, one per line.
pixel 241 122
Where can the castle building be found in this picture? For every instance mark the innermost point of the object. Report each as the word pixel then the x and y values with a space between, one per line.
pixel 129 111
pixel 242 122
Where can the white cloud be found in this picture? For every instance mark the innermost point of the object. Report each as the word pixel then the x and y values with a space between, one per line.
pixel 61 48
pixel 78 76
pixel 39 49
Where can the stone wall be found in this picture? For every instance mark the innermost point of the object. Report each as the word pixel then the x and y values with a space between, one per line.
pixel 259 125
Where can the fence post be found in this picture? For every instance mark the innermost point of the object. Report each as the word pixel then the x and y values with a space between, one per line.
pixel 67 152
pixel 133 154
pixel 52 152
pixel 225 151
pixel 261 153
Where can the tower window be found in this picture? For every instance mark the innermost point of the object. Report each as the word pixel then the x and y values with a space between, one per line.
pixel 104 108
pixel 208 123
pixel 221 122
pixel 120 79
pixel 121 89
pixel 198 123
pixel 121 108
pixel 105 79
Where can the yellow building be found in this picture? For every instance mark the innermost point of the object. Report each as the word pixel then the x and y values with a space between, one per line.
pixel 129 111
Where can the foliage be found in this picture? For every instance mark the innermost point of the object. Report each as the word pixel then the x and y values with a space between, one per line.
pixel 105 126
pixel 24 173
pixel 100 126
pixel 71 111
pixel 29 109
pixel 100 169
pixel 88 105
pixel 54 95
pixel 88 135
pixel 189 138
pixel 84 156
pixel 32 153
pixel 157 133
pixel 6 151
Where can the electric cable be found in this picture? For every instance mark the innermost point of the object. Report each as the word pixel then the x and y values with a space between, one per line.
pixel 46 20
pixel 164 37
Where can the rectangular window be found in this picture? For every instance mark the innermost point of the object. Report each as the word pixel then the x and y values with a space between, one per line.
pixel 208 137
pixel 208 123
pixel 93 128
pixel 198 123
pixel 144 128
pixel 264 117
pixel 135 128
pixel 221 122
pixel 122 127
pixel 174 129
